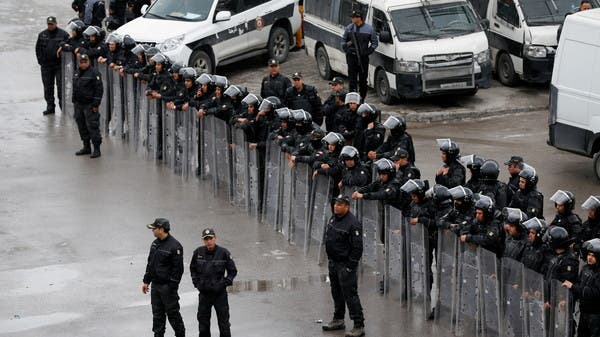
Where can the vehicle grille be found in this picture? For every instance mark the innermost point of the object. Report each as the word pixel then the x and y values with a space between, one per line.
pixel 448 72
pixel 150 44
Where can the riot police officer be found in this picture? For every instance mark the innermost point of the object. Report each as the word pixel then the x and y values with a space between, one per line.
pixel 163 271
pixel 485 231
pixel 162 82
pixel 527 198
pixel 204 93
pixel 473 164
pixel 451 173
pixel 536 250
pixel 514 167
pixel 48 57
pixel 331 104
pixel 385 188
pixel 562 264
pixel 354 174
pixel 443 207
pixel 587 291
pixel 371 134
pixel 95 46
pixel 218 105
pixel 76 40
pixel 87 96
pixel 404 172
pixel 490 186
pixel 464 209
pixel 327 162
pixel 344 246
pixel 274 84
pixel 398 138
pixel 564 202
pixel 208 266
pixel 516 233
pixel 346 119
pixel 591 227
pixel 305 97
pixel 304 126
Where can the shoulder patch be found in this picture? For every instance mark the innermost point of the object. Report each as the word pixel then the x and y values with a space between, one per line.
pixel 357 233
pixel 178 251
pixel 98 78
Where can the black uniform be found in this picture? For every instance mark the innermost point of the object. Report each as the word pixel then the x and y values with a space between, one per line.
pixel 514 247
pixel 357 56
pixel 46 47
pixel 587 292
pixel 164 270
pixel 534 255
pixel 208 275
pixel 530 201
pixel 513 183
pixel 356 176
pixel 87 94
pixel 589 230
pixel 329 110
pixel 307 99
pixel 386 192
pixel 344 246
pixel 369 140
pixel 571 222
pixel 561 267
pixel 394 141
pixel 275 86
pixel 404 174
pixel 497 191
pixel 346 123
pixel 489 235
pixel 455 177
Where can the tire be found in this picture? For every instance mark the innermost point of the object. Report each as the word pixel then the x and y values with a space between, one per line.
pixel 323 64
pixel 382 86
pixel 506 70
pixel 279 44
pixel 597 165
pixel 202 62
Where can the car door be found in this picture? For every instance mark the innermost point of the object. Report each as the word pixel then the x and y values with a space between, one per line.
pixel 228 38
pixel 506 32
pixel 259 21
pixel 385 54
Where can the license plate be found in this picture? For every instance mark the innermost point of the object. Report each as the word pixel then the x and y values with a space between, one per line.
pixel 453 85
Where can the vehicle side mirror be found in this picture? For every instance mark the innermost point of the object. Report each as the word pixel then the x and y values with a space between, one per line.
pixel 385 37
pixel 144 9
pixel 485 24
pixel 223 16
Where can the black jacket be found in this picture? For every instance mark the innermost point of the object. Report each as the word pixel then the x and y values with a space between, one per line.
pixel 365 38
pixel 208 269
pixel 275 86
pixel 73 43
pixel 514 247
pixel 329 110
pixel 346 122
pixel 534 255
pixel 530 202
pixel 393 142
pixel 343 240
pixel 386 192
pixel 455 177
pixel 47 45
pixel 587 289
pixel 488 235
pixel 356 176
pixel 95 50
pixel 561 267
pixel 497 191
pixel 571 222
pixel 162 83
pixel 369 140
pixel 87 86
pixel 513 183
pixel 307 99
pixel 165 262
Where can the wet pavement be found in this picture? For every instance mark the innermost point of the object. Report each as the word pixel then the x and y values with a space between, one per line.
pixel 73 234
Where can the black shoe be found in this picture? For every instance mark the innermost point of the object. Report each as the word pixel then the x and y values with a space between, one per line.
pixel 85 150
pixel 48 112
pixel 335 324
pixel 96 152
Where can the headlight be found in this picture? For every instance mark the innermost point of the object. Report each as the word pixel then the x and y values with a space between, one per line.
pixel 535 51
pixel 406 67
pixel 170 44
pixel 483 57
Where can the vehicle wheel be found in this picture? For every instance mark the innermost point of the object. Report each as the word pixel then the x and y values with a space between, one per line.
pixel 506 70
pixel 597 165
pixel 279 44
pixel 323 63
pixel 382 86
pixel 202 62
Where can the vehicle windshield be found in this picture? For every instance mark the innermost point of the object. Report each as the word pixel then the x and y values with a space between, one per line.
pixel 182 10
pixel 547 12
pixel 434 22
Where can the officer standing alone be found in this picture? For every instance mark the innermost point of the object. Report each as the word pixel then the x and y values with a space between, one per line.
pixel 358 42
pixel 48 57
pixel 344 246
pixel 208 266
pixel 163 271
pixel 87 96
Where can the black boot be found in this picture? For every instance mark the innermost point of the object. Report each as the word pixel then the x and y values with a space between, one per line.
pixel 96 152
pixel 85 150
pixel 48 111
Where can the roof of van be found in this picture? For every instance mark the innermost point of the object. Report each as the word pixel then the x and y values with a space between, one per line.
pixel 392 4
pixel 593 14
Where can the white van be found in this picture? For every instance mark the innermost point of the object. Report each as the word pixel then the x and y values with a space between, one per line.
pixel 426 47
pixel 207 33
pixel 574 123
pixel 522 36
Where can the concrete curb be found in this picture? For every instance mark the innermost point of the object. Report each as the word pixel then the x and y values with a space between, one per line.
pixel 453 115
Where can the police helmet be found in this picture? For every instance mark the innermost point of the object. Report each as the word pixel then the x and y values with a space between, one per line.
pixel 175 67
pixel 160 59
pixel 441 195
pixel 566 198
pixel 592 203
pixel 461 193
pixel 349 153
pixel 128 43
pixel 592 246
pixel 302 117
pixel 235 91
pixel 92 31
pixel 220 81
pixel 514 216
pixel 317 135
pixel 139 49
pixel 415 186
pixel 204 79
pixel 352 97
pixel 537 225
pixel 449 147
pixel 490 170
pixel 529 174
pixel 484 203
pixel 395 123
pixel 114 38
pixel 76 25
pixel 188 73
pixel 271 103
pixel 284 114
pixel 334 138
pixel 385 165
pixel 368 109
pixel 252 99
pixel 557 237
pixel 472 162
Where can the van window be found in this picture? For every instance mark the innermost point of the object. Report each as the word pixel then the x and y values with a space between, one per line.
pixel 380 22
pixel 253 3
pixel 548 12
pixel 507 11
pixel 346 8
pixel 319 8
pixel 187 10
pixel 228 5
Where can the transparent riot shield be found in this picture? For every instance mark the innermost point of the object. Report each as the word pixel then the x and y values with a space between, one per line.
pixel 512 298
pixel 105 103
pixel 320 206
pixel 395 257
pixel 301 189
pixel 181 144
pixel 130 99
pixel 447 258
pixel 533 304
pixel 467 313
pixel 68 69
pixel 271 190
pixel 490 293
pixel 560 312
pixel 193 140
pixel 240 171
pixel 254 197
pixel 209 150
pixel 168 136
pixel 154 133
pixel 418 268
pixel 115 125
pixel 143 123
pixel 286 196
pixel 223 157
pixel 371 262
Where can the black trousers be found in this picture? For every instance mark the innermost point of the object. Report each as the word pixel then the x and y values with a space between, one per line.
pixel 88 123
pixel 357 74
pixel 165 303
pixel 344 290
pixel 50 75
pixel 589 325
pixel 207 300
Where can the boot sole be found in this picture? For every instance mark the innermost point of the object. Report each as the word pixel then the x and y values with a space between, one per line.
pixel 82 154
pixel 342 327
